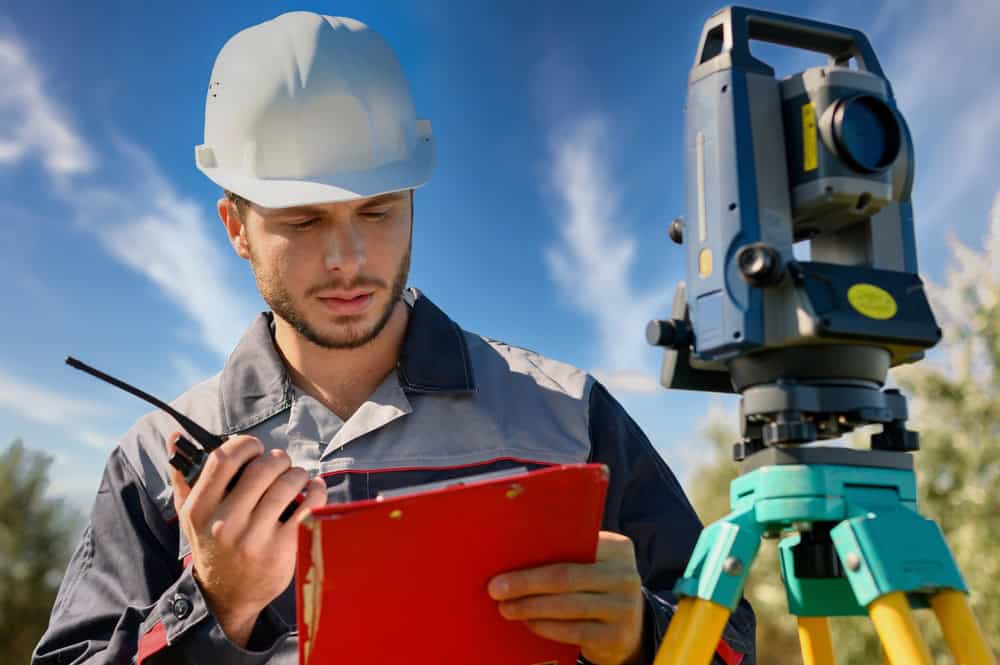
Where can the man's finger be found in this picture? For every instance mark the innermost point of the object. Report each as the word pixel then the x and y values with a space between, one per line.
pixel 559 578
pixel 568 606
pixel 614 546
pixel 259 475
pixel 279 494
pixel 220 466
pixel 315 497
pixel 574 632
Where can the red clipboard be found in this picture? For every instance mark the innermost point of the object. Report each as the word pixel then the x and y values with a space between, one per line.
pixel 403 579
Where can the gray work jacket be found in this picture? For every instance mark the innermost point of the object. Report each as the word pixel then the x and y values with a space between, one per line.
pixel 458 404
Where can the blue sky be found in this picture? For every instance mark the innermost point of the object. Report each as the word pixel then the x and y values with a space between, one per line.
pixel 558 130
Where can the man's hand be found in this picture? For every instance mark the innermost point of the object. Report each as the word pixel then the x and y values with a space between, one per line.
pixel 598 606
pixel 243 557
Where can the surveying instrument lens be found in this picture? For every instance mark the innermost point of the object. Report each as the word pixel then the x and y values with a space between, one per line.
pixel 866 133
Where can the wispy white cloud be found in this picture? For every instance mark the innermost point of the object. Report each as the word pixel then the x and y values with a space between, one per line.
pixel 971 285
pixel 592 262
pixel 188 372
pixel 141 220
pixel 48 407
pixel 97 440
pixel 941 59
pixel 628 382
pixel 165 237
pixel 33 123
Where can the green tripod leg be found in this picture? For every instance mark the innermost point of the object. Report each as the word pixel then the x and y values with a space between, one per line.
pixel 860 538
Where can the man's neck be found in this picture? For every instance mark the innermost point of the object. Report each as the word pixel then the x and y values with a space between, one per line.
pixel 342 379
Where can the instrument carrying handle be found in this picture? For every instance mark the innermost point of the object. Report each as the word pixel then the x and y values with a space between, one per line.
pixel 731 29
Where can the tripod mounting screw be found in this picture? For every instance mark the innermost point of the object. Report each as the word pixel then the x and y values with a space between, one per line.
pixel 732 566
pixel 760 264
pixel 853 562
pixel 676 230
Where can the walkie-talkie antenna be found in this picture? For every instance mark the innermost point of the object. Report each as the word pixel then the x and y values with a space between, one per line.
pixel 201 435
pixel 188 458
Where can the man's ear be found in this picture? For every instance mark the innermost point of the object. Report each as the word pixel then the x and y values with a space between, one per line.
pixel 235 228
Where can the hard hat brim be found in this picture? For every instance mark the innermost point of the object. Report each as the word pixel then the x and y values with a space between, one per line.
pixel 288 193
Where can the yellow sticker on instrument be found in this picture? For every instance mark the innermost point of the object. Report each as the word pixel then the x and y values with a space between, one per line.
pixel 810 146
pixel 705 262
pixel 872 301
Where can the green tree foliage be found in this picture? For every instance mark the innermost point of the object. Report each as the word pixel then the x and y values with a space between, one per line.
pixel 955 404
pixel 954 401
pixel 35 534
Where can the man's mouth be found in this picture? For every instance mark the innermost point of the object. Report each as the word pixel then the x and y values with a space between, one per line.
pixel 347 302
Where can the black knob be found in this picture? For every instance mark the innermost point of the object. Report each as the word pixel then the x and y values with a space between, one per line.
pixel 792 431
pixel 672 334
pixel 760 264
pixel 676 231
pixel 895 436
pixel 745 448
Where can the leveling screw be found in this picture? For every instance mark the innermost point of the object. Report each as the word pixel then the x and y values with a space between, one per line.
pixel 853 562
pixel 732 566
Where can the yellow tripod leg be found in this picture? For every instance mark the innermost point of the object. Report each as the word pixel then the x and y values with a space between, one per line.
pixel 815 640
pixel 677 627
pixel 960 629
pixel 897 631
pixel 692 639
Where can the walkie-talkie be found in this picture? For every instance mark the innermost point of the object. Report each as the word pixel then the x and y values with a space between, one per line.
pixel 189 458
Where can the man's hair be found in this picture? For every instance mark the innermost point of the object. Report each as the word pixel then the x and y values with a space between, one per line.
pixel 240 203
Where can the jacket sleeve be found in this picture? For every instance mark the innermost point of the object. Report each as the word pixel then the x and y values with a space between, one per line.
pixel 646 503
pixel 125 597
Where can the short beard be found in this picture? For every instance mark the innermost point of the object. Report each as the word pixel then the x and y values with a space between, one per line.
pixel 281 303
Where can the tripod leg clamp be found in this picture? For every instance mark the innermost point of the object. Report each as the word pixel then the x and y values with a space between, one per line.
pixel 721 561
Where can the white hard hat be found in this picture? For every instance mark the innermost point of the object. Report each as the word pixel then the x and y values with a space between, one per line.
pixel 308 109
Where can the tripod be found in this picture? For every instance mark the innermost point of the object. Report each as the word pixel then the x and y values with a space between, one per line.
pixel 861 548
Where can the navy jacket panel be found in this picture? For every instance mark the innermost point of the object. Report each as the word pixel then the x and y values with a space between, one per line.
pixel 646 503
pixel 125 582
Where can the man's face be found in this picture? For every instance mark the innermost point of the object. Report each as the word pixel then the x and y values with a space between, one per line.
pixel 333 271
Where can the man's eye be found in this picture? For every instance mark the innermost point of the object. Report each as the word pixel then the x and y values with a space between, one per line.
pixel 374 214
pixel 306 224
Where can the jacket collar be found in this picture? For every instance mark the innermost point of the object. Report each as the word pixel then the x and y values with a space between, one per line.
pixel 254 384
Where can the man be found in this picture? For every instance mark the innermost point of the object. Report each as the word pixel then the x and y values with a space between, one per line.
pixel 351 385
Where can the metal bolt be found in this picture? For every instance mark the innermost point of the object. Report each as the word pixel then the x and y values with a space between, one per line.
pixel 676 230
pixel 181 607
pixel 760 264
pixel 853 562
pixel 732 566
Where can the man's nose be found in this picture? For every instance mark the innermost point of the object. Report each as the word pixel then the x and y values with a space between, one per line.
pixel 344 248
